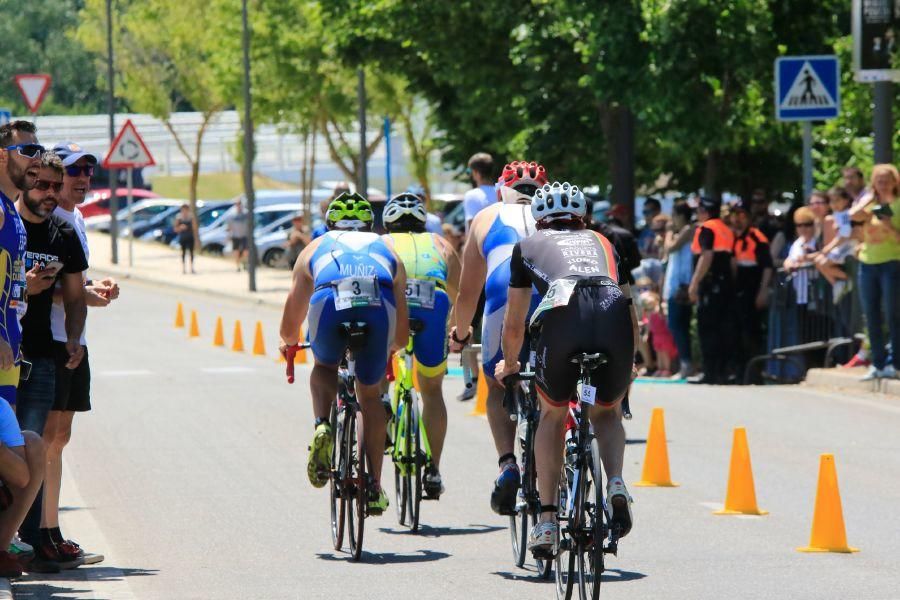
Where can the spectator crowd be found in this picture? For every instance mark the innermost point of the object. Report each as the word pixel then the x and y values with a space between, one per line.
pixel 44 366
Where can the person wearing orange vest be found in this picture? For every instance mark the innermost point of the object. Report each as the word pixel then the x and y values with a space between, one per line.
pixel 712 289
pixel 753 274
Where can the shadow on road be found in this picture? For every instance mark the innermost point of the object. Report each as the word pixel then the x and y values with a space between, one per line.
pixel 613 575
pixel 526 574
pixel 426 531
pixel 388 558
pixel 40 586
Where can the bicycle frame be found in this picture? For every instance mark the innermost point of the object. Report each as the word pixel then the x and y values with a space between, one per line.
pixel 403 386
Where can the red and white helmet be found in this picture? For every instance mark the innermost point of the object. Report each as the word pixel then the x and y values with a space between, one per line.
pixel 519 181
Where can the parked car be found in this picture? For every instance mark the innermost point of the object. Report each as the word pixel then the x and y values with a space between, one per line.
pixel 141 211
pixel 214 237
pixel 163 230
pixel 97 201
pixel 271 239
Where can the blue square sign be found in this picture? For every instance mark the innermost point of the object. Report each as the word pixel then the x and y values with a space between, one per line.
pixel 807 88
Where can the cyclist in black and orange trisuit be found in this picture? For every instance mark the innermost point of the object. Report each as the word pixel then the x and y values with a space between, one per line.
pixel 584 310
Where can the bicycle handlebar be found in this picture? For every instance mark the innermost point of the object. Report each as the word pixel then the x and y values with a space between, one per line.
pixel 509 383
pixel 291 352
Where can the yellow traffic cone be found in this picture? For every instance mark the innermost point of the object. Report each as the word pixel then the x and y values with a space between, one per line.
pixel 828 532
pixel 481 395
pixel 219 336
pixel 179 317
pixel 300 357
pixel 656 458
pixel 195 328
pixel 740 499
pixel 259 345
pixel 238 345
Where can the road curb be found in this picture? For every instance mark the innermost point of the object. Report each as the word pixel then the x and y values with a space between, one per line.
pixel 245 297
pixel 848 379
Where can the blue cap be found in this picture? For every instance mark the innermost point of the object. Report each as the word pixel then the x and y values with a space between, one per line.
pixel 70 153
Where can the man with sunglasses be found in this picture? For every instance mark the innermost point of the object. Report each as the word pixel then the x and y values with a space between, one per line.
pixel 73 386
pixel 53 254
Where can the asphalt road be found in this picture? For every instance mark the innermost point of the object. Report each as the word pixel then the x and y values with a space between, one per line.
pixel 189 475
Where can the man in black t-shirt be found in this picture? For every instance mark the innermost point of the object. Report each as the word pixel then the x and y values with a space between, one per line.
pixel 53 254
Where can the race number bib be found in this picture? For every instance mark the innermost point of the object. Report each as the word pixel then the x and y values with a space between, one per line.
pixel 351 292
pixel 558 295
pixel 420 293
pixel 588 394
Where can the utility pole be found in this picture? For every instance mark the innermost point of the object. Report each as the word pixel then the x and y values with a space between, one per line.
pixel 883 121
pixel 362 177
pixel 111 108
pixel 248 152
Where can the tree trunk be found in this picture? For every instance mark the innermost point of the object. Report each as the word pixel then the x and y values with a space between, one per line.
pixel 312 175
pixel 618 127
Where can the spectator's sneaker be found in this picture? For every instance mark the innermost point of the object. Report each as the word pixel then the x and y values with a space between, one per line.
pixel 48 553
pixel 872 374
pixel 469 392
pixel 319 462
pixel 543 541
pixel 856 361
pixel 9 566
pixel 889 372
pixel 503 498
pixel 72 547
pixel 20 550
pixel 432 483
pixel 620 503
pixel 378 502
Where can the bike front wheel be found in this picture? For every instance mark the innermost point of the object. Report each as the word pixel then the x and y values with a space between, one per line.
pixel 338 476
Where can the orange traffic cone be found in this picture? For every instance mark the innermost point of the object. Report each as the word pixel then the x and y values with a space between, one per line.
pixel 179 316
pixel 219 336
pixel 481 394
pixel 300 357
pixel 259 344
pixel 238 345
pixel 656 459
pixel 740 499
pixel 828 532
pixel 195 328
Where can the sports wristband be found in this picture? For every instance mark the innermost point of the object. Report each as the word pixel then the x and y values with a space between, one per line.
pixel 463 341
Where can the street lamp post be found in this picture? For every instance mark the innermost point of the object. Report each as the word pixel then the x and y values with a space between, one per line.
pixel 362 177
pixel 111 108
pixel 248 152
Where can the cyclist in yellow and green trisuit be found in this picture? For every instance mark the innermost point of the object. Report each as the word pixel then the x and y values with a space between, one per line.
pixel 432 269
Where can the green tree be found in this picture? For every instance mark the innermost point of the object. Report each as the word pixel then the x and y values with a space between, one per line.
pixel 33 39
pixel 168 58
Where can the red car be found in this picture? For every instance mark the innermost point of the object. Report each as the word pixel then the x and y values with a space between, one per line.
pixel 97 201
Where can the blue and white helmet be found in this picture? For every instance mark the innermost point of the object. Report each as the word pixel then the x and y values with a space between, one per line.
pixel 558 201
pixel 401 205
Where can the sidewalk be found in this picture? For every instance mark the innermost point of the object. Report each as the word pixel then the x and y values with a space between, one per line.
pixel 161 265
pixel 848 379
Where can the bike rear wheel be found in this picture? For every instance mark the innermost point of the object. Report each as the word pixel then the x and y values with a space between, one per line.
pixel 590 555
pixel 338 476
pixel 519 521
pixel 357 488
pixel 564 563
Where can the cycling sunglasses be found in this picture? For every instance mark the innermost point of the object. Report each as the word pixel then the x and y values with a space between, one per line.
pixel 44 185
pixel 28 150
pixel 75 170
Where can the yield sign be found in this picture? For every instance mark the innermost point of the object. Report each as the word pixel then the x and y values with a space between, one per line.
pixel 128 150
pixel 33 88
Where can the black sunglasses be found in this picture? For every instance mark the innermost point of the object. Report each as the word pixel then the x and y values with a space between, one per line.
pixel 28 150
pixel 75 170
pixel 44 185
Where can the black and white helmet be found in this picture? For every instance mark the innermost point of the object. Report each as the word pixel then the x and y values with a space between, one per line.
pixel 558 201
pixel 402 205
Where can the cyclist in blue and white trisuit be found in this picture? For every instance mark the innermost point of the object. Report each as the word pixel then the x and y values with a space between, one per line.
pixel 492 236
pixel 348 274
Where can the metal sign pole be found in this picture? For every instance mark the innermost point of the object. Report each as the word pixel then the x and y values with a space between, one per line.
pixel 387 154
pixel 807 161
pixel 130 218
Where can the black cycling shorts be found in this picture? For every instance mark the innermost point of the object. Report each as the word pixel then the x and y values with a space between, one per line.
pixel 596 319
pixel 73 386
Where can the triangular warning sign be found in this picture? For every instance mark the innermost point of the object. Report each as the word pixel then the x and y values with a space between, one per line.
pixel 128 150
pixel 807 91
pixel 33 88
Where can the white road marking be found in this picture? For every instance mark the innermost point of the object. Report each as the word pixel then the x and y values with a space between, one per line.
pixel 713 505
pixel 228 369
pixel 124 373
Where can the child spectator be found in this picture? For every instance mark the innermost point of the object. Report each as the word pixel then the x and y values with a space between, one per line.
pixel 660 337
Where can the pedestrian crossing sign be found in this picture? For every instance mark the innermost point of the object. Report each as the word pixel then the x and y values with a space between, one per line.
pixel 807 88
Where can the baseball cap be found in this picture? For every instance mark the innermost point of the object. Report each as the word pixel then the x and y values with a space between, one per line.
pixel 710 203
pixel 741 204
pixel 70 153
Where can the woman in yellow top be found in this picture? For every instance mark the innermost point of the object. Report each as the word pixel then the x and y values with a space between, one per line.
pixel 879 271
pixel 432 270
